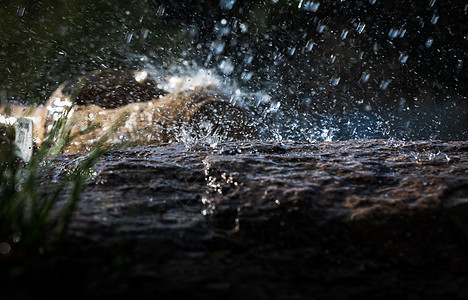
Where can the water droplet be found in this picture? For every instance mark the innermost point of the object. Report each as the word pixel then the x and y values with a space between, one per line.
pixel 360 28
pixel 243 27
pixel 335 81
pixel 309 5
pixel 16 239
pixel 403 58
pixel 320 28
pixel 344 34
pixel 376 48
pixel 21 11
pixel 402 32
pixel 431 3
pixel 365 77
pixel 310 44
pixel 227 4
pixel 226 66
pixel 429 42
pixel 292 50
pixel 332 58
pixel 217 47
pixel 128 37
pixel 246 76
pixel 384 84
pixel 221 29
pixel 63 30
pixel 393 33
pixel 160 11
pixel 144 33
pixel 434 19
pixel 372 1
pixel 274 107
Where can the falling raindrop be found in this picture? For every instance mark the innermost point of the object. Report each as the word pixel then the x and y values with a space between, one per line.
pixel 274 107
pixel 243 27
pixel 63 30
pixel 429 42
pixel 292 50
pixel 376 48
pixel 384 84
pixel 360 28
pixel 246 76
pixel 320 28
pixel 434 19
pixel 248 60
pixel 402 32
pixel 227 4
pixel 21 10
pixel 217 47
pixel 226 66
pixel 309 46
pixel 128 37
pixel 335 81
pixel 403 58
pixel 16 238
pixel 160 11
pixel 344 34
pixel 221 29
pixel 144 33
pixel 393 33
pixel 365 77
pixel 309 5
pixel 372 1
pixel 431 3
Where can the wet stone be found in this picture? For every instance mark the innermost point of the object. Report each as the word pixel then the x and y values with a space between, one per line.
pixel 113 88
pixel 257 219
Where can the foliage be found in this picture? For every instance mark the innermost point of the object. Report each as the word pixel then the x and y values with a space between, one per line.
pixel 34 219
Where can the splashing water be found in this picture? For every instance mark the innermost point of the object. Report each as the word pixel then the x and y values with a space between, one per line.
pixel 297 68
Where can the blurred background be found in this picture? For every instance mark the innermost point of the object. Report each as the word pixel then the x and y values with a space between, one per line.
pixel 305 70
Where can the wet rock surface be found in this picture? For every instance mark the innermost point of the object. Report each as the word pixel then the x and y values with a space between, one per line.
pixel 273 220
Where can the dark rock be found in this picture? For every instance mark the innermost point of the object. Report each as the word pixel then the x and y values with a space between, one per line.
pixel 271 220
pixel 112 88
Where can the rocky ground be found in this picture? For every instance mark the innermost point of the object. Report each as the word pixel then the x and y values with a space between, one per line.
pixel 271 220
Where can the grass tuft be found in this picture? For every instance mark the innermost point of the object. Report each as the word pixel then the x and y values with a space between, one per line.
pixel 32 221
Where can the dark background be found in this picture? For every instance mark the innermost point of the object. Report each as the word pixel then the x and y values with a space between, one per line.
pixel 308 70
